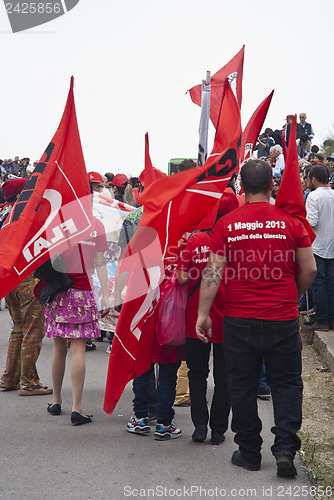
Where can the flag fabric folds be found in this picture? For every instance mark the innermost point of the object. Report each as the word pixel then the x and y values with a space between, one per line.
pixel 290 196
pixel 53 211
pixel 172 206
pixel 253 128
pixel 233 71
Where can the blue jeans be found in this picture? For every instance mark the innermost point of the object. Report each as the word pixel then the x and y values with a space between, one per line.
pixel 165 392
pixel 323 290
pixel 247 341
pixel 263 380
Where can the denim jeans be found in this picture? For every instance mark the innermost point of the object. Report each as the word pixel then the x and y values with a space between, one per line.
pixel 323 290
pixel 263 380
pixel 247 341
pixel 165 392
pixel 198 355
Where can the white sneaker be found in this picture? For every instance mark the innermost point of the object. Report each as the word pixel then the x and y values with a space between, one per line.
pixel 165 432
pixel 139 425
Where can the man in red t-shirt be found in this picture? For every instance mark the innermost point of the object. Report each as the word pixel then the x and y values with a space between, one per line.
pixel 270 265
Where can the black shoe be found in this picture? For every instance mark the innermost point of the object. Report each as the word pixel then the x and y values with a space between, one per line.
pixel 90 346
pixel 54 409
pixel 264 393
pixel 78 419
pixel 199 434
pixel 100 339
pixel 238 459
pixel 217 438
pixel 285 466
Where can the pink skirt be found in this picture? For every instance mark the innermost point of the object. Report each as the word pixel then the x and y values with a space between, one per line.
pixel 72 315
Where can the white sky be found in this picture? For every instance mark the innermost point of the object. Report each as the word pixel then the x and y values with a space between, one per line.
pixel 133 62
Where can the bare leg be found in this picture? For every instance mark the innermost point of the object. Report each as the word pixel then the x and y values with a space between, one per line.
pixel 58 367
pixel 77 352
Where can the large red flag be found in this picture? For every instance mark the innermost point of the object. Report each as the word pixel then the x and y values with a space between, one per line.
pixel 253 128
pixel 172 206
pixel 53 211
pixel 233 72
pixel 290 196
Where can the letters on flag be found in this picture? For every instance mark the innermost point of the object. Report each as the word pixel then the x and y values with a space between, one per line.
pixel 253 128
pixel 233 72
pixel 172 206
pixel 53 211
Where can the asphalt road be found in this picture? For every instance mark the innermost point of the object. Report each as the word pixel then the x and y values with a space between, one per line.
pixel 45 457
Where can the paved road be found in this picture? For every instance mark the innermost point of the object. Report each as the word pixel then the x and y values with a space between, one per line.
pixel 45 457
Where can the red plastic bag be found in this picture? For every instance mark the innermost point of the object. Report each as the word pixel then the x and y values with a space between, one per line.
pixel 170 326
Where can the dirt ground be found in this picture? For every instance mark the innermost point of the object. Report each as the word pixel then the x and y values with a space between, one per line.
pixel 317 432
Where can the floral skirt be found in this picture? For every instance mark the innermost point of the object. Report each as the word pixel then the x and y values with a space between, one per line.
pixel 72 315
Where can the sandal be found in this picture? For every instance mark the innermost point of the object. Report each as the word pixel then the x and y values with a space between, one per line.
pixel 36 391
pixel 8 387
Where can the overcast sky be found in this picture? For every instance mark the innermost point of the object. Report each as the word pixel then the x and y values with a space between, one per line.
pixel 133 62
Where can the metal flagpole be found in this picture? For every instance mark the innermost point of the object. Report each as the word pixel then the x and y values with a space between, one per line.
pixel 204 121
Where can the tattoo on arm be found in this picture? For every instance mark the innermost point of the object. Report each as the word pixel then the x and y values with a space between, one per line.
pixel 212 274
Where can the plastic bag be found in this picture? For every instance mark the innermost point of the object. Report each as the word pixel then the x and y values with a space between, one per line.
pixel 170 326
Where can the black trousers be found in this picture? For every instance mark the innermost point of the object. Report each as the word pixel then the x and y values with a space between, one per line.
pixel 197 356
pixel 247 341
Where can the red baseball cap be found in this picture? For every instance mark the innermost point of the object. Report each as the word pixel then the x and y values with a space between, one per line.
pixel 94 177
pixel 120 180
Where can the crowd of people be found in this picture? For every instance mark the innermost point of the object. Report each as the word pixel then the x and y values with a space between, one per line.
pixel 254 268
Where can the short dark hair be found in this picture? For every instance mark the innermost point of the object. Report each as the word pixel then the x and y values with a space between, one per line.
pixel 186 165
pixel 256 176
pixel 320 157
pixel 269 131
pixel 320 173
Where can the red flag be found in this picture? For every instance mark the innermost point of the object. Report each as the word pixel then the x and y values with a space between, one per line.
pixel 172 206
pixel 54 209
pixel 290 196
pixel 253 128
pixel 233 72
pixel 149 175
pixel 285 151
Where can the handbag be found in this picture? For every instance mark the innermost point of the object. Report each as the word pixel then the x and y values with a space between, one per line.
pixel 170 325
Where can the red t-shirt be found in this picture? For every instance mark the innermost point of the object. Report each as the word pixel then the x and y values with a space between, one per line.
pixel 193 261
pixel 259 242
pixel 80 260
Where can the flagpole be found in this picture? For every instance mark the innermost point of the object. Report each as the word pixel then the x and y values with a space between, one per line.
pixel 204 121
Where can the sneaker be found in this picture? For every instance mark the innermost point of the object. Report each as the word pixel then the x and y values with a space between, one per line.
pixel 139 425
pixel 238 459
pixel 108 350
pixel 285 466
pixel 264 393
pixel 331 325
pixel 199 434
pixel 90 346
pixel 165 432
